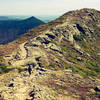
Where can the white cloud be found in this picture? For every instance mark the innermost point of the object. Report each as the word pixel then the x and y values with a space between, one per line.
pixel 44 7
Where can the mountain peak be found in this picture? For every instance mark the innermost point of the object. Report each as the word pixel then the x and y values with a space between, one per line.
pixel 81 12
pixel 32 17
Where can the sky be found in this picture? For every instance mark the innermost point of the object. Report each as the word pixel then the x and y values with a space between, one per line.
pixel 44 7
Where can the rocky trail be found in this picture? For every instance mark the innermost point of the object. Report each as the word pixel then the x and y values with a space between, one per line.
pixel 45 84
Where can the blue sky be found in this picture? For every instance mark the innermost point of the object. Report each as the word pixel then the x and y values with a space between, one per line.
pixel 44 7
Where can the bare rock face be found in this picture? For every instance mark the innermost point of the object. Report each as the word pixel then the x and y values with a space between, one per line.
pixel 64 61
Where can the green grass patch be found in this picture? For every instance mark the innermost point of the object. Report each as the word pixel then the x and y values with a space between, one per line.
pixel 4 69
pixel 93 67
pixel 21 69
pixel 78 37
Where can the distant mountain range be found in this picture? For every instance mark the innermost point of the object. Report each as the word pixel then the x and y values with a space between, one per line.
pixel 44 18
pixel 10 29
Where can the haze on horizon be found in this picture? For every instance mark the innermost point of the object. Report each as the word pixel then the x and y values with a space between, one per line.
pixel 44 7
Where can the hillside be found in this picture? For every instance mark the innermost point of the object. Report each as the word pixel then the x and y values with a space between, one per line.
pixel 12 29
pixel 64 56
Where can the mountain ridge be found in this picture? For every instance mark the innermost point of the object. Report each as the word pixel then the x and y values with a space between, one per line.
pixel 80 32
pixel 64 56
pixel 40 28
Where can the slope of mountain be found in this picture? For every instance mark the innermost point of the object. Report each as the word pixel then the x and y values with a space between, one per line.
pixel 64 56
pixel 12 29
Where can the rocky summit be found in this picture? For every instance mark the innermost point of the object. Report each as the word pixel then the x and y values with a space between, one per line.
pixel 56 61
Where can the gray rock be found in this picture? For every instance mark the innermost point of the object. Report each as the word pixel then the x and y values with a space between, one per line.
pixel 92 91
